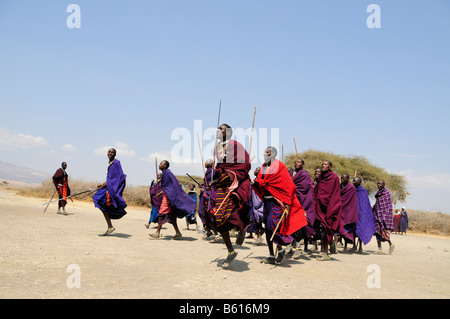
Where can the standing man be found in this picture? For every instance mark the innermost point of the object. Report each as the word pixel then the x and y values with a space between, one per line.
pixel 283 214
pixel 256 213
pixel 155 201
pixel 327 205
pixel 317 173
pixel 232 187
pixel 349 210
pixel 108 197
pixel 191 218
pixel 61 181
pixel 382 212
pixel 404 221
pixel 206 201
pixel 305 195
pixel 175 202
pixel 365 227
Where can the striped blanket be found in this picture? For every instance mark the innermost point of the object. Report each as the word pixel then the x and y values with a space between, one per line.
pixel 382 211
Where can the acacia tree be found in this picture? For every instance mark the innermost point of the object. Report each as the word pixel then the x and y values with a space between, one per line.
pixel 345 164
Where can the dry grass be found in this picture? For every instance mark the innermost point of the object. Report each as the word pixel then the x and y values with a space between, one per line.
pixel 133 195
pixel 431 223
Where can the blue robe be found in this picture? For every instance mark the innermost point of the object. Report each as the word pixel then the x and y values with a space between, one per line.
pixel 182 205
pixel 191 219
pixel 115 185
pixel 404 221
pixel 365 227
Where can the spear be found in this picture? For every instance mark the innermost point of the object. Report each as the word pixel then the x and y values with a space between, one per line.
pixel 194 180
pixel 64 198
pixel 88 194
pixel 215 148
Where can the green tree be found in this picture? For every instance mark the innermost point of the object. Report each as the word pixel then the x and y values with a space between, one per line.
pixel 346 164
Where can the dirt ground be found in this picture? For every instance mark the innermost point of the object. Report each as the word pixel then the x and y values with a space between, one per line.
pixel 42 255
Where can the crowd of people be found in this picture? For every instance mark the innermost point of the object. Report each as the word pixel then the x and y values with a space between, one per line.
pixel 286 206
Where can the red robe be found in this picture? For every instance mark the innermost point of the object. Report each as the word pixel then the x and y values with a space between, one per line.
pixel 236 165
pixel 327 202
pixel 279 184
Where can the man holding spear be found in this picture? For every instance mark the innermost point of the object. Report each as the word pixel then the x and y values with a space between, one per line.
pixel 231 185
pixel 175 202
pixel 61 181
pixel 283 214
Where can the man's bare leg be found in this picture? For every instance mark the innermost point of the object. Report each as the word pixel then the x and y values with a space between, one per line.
pixel 231 253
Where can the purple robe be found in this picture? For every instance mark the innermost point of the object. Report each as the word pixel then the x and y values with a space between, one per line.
pixel 182 204
pixel 404 221
pixel 155 201
pixel 207 194
pixel 256 213
pixel 115 185
pixel 154 190
pixel 349 211
pixel 305 195
pixel 365 227
pixel 233 165
pixel 327 204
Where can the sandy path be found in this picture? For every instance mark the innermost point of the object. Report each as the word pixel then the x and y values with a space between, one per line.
pixel 36 249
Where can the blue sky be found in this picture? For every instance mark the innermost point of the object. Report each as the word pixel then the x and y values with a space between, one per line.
pixel 137 70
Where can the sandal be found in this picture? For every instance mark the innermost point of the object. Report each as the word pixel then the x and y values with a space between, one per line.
pixel 231 256
pixel 240 238
pixel 280 256
pixel 177 236
pixel 323 258
pixel 391 249
pixel 269 260
pixel 109 231
pixel 155 235
pixel 297 254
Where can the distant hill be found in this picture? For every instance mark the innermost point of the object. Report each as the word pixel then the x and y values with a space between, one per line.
pixel 14 173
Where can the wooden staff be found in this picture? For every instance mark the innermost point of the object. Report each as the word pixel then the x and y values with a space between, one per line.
pixel 215 149
pixel 295 144
pixel 356 172
pixel 224 200
pixel 215 144
pixel 251 133
pixel 50 201
pixel 286 211
pixel 201 155
pixel 156 168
